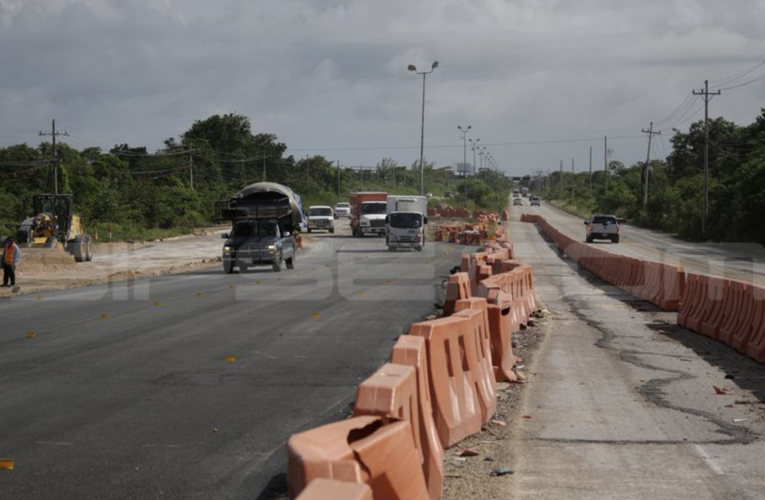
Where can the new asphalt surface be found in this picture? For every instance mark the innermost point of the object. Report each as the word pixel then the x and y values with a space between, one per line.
pixel 188 386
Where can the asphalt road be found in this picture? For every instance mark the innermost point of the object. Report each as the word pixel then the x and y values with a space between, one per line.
pixel 740 261
pixel 188 386
pixel 622 402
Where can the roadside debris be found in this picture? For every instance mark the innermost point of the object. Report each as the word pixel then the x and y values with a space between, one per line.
pixel 502 471
pixel 719 391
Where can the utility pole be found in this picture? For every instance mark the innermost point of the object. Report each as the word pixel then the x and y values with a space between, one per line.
pixel 191 168
pixel 53 134
pixel 707 97
pixel 605 160
pixel 338 178
pixel 590 188
pixel 647 169
pixel 264 166
pixel 573 180
pixel 561 178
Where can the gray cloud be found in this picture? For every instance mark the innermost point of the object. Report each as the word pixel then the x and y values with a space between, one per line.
pixel 330 76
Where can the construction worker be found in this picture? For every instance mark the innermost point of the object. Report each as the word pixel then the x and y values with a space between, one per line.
pixel 10 260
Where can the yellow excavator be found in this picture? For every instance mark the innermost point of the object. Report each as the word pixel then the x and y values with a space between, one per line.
pixel 55 225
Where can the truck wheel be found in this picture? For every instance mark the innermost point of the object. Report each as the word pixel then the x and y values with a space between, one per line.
pixel 89 249
pixel 242 266
pixel 291 261
pixel 589 240
pixel 309 230
pixel 78 249
pixel 228 266
pixel 332 231
pixel 418 248
pixel 361 233
pixel 615 239
pixel 391 248
pixel 278 264
pixel 50 242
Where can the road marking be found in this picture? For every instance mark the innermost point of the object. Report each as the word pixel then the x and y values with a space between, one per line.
pixel 230 359
pixel 31 335
pixel 315 315
pixel 105 316
pixel 709 461
pixel 6 464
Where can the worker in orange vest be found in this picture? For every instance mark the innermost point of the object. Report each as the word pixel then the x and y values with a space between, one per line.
pixel 10 260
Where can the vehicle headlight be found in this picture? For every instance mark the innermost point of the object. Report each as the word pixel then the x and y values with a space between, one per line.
pixel 364 222
pixel 227 248
pixel 272 247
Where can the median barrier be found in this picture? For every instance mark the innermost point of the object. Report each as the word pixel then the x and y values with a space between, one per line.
pixel 410 350
pixel 475 309
pixel 457 287
pixel 734 311
pixel 718 293
pixel 326 489
pixel 751 321
pixel 358 450
pixel 501 341
pixel 691 310
pixel 456 409
pixel 755 347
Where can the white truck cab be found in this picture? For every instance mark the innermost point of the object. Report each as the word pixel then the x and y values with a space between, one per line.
pixel 406 222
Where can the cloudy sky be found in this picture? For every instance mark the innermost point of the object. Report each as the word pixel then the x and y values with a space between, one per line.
pixel 538 80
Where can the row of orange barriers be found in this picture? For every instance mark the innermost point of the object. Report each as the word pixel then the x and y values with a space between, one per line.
pixel 730 311
pixel 446 211
pixel 469 234
pixel 438 389
pixel 658 283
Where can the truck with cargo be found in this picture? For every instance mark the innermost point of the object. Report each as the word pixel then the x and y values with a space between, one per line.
pixel 405 222
pixel 265 218
pixel 368 210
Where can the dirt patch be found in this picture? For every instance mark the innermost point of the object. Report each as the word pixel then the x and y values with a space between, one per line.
pixel 45 260
pixel 473 477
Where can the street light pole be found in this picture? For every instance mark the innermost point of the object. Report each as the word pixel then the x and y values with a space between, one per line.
pixel 475 145
pixel 464 145
pixel 413 68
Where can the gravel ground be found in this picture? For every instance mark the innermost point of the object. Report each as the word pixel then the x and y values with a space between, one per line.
pixel 470 477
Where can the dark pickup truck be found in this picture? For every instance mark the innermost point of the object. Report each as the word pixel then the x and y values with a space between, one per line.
pixel 265 219
pixel 258 242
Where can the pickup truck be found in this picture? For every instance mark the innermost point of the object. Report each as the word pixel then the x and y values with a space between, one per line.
pixel 602 227
pixel 265 219
pixel 258 242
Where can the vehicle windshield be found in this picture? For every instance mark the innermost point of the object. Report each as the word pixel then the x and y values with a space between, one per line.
pixel 343 205
pixel 406 220
pixel 313 212
pixel 602 219
pixel 373 208
pixel 253 229
pixel 534 198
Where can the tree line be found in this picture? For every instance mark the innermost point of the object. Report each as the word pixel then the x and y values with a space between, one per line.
pixel 676 185
pixel 138 194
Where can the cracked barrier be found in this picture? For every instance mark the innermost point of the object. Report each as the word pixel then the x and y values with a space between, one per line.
pixel 358 450
pixel 326 489
pixel 410 351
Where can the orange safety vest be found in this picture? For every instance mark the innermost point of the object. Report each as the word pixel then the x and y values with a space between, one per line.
pixel 9 254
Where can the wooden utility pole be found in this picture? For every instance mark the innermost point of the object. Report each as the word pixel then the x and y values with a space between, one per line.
pixel 707 97
pixel 191 168
pixel 647 168
pixel 53 134
pixel 590 188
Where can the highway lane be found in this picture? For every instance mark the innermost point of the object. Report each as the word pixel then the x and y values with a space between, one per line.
pixel 621 403
pixel 187 386
pixel 740 261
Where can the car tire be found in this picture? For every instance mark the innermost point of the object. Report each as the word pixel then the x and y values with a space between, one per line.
pixel 361 233
pixel 391 248
pixel 277 267
pixel 242 266
pixel 332 231
pixel 309 230
pixel 291 261
pixel 228 266
pixel 589 240
pixel 615 240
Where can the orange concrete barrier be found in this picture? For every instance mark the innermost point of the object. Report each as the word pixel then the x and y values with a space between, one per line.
pixel 458 287
pixel 735 311
pixel 755 347
pixel 358 450
pixel 476 310
pixel 451 358
pixel 410 350
pixel 717 295
pixel 695 305
pixel 750 321
pixel 326 489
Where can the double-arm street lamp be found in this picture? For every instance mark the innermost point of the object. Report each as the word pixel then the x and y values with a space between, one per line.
pixel 413 68
pixel 464 145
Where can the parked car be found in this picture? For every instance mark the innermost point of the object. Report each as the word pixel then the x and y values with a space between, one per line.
pixel 342 209
pixel 320 218
pixel 602 227
pixel 535 201
pixel 517 202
